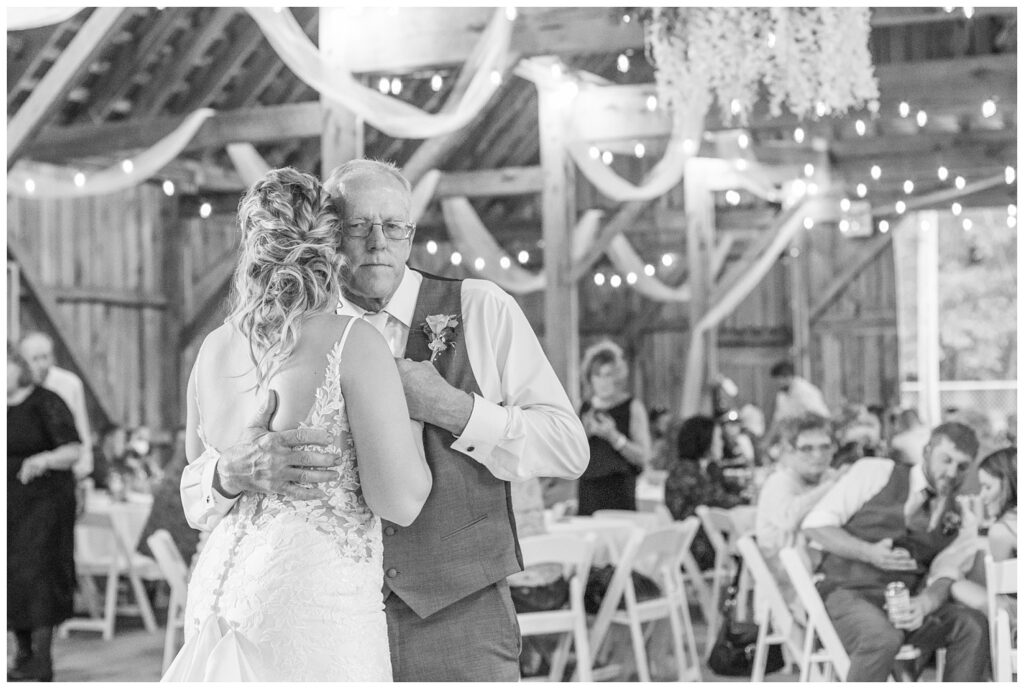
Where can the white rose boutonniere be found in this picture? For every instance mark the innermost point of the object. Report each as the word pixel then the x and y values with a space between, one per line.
pixel 440 332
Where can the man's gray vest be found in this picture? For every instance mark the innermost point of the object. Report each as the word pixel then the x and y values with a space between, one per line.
pixel 465 537
pixel 882 517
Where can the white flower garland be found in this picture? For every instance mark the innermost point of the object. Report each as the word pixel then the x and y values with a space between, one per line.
pixel 810 59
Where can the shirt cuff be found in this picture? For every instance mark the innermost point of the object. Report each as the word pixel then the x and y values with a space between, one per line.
pixel 816 519
pixel 212 498
pixel 485 429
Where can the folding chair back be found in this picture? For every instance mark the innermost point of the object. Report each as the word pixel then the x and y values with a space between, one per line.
pixel 721 529
pixel 173 566
pixel 1000 579
pixel 575 554
pixel 645 520
pixel 776 623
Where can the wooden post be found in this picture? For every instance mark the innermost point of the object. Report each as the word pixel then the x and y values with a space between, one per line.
pixel 174 370
pixel 561 299
pixel 797 269
pixel 928 403
pixel 343 136
pixel 700 232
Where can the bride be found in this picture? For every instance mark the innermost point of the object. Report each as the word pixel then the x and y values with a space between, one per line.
pixel 288 589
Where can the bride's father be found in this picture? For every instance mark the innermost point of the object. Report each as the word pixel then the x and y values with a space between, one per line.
pixel 493 412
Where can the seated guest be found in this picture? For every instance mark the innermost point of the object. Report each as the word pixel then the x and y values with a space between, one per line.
pixel 803 476
pixel 855 424
pixel 912 435
pixel 695 478
pixel 885 522
pixel 617 430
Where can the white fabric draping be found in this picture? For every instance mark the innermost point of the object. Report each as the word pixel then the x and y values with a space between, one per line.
pixel 474 241
pixel 626 260
pixel 389 115
pixel 248 162
pixel 786 228
pixel 19 18
pixel 114 178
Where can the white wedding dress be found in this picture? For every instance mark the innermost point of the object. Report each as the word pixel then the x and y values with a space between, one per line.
pixel 291 590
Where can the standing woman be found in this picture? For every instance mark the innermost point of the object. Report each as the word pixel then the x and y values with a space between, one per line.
pixel 42 445
pixel 617 431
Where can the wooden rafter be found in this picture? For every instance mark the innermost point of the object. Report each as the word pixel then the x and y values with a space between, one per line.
pixel 624 217
pixel 73 61
pixel 37 47
pixel 230 56
pixel 61 328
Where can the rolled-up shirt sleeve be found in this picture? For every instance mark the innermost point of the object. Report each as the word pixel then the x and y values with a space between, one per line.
pixel 523 425
pixel 204 506
pixel 858 485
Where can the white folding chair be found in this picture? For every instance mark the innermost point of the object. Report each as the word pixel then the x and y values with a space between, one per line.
pixel 658 554
pixel 575 554
pixel 112 558
pixel 173 566
pixel 832 655
pixel 776 622
pixel 722 531
pixel 1000 579
pixel 645 520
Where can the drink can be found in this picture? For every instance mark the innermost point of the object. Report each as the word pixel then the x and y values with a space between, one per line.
pixel 897 597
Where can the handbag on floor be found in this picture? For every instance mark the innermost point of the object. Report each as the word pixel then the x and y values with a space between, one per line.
pixel 733 652
pixel 597 586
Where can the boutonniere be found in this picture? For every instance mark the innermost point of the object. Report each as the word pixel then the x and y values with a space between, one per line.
pixel 951 522
pixel 440 332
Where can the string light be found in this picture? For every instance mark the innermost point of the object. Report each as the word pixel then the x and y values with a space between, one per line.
pixel 860 127
pixel 808 223
pixel 689 146
pixel 496 78
pixel 812 188
pixel 771 39
pixel 505 262
pixel 631 278
pixel 607 157
pixel 901 207
pixel 844 225
pixel 743 140
pixel 741 164
pixel 943 173
pixel 599 279
pixel 808 170
pixel 734 106
pixel 649 270
pixel 652 103
pixel 1011 221
pixel 876 172
pixel 626 19
pixel 666 260
pixel 956 208
pixel 524 257
pixel 479 264
pixel 844 205
pixel 883 226
pixel 384 85
pixel 639 150
pixel 904 108
pixel 988 108
pixel 967 224
pixel 205 210
pixel 799 187
pixel 960 182
pixel 168 187
pixel 908 187
pixel 556 71
pixel 30 186
pixel 1011 174
pixel 798 135
pixel 820 109
pixel 622 63
pixel 436 82
pixel 862 190
pixel 79 179
pixel 456 258
pixel 127 166
pixel 594 152
pixel 510 13
pixel 922 118
pixel 431 247
pixel 732 197
pixel 968 12
pixel 396 86
pixel 615 281
pixel 1011 210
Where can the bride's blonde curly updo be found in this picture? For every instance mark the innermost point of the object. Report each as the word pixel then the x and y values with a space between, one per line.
pixel 289 265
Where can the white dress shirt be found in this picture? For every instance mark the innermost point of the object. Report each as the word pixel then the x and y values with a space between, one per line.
pixel 70 389
pixel 802 397
pixel 522 425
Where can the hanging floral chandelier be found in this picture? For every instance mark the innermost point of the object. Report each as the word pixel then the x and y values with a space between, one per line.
pixel 808 59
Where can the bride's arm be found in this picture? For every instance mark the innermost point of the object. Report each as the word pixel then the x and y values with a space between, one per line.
pixel 394 474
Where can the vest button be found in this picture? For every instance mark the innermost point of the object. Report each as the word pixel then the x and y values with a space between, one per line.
pixel 389 531
pixel 470 448
pixel 392 573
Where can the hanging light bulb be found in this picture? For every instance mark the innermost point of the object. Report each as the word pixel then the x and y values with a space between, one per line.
pixel 505 262
pixel 479 264
pixel 622 63
pixel 1011 210
pixel 960 182
pixel 735 107
pixel 732 197
pixel 127 166
pixel 844 205
pixel 431 247
pixel 908 187
pixel 594 152
pixel 743 140
pixel 967 224
pixel 922 118
pixel 556 70
pixel 943 173
pixel 1011 174
pixel 496 78
pixel 771 39
pixel 844 225
pixel 639 150
pixel 607 157
pixel 901 207
pixel 666 260
pixel 630 278
pixel 876 172
pixel 808 223
pixel 384 85
pixel 168 187
pixel 799 187
pixel 956 208
pixel 820 109
pixel 862 190
pixel 798 135
pixel 396 86
pixel 599 279
pixel 883 226
pixel 456 258
pixel 652 103
pixel 988 108
pixel 626 19
pixel 524 256
pixel 812 188
pixel 615 281
pixel 741 164
pixel 904 109
pixel 860 127
pixel 1011 221
pixel 79 179
pixel 30 185
pixel 649 270
pixel 808 170
pixel 436 82
pixel 511 13
pixel 205 209
pixel 968 12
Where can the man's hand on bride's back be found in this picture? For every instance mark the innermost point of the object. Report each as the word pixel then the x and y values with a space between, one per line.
pixel 269 462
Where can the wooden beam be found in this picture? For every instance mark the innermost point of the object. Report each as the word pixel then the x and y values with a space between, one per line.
pixel 61 328
pixel 73 61
pixel 173 375
pixel 834 289
pixel 626 217
pixel 103 295
pixel 252 125
pixel 232 53
pixel 509 181
pixel 343 136
pixel 27 52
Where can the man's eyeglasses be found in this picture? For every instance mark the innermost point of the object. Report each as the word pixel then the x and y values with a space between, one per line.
pixel 815 449
pixel 393 229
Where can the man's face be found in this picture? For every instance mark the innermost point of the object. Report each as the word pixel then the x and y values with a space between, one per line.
pixel 810 455
pixel 944 465
pixel 38 352
pixel 376 263
pixel 784 382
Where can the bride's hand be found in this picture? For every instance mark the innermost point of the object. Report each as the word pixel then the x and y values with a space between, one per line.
pixel 267 462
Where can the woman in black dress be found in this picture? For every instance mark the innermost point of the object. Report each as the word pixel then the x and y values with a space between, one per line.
pixel 42 445
pixel 617 430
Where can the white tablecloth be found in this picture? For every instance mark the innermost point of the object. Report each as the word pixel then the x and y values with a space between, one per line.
pixel 610 535
pixel 128 518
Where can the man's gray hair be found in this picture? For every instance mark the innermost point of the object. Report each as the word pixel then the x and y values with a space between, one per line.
pixel 335 182
pixel 37 334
